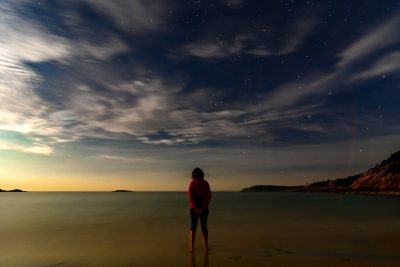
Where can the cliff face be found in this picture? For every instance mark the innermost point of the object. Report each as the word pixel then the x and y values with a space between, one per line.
pixel 336 185
pixel 383 177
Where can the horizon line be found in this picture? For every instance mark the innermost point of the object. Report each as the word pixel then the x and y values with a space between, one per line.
pixel 113 191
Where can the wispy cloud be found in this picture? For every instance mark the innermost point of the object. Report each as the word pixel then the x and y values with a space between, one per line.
pixel 381 37
pixel 298 34
pixel 152 112
pixel 110 102
pixel 147 110
pixel 21 109
pixel 23 41
pixel 34 149
pixel 382 67
pixel 122 159
pixel 253 44
pixel 219 49
pixel 135 15
pixel 211 50
pixel 293 93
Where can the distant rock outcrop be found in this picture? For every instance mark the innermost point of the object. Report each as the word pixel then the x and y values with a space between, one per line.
pixel 334 185
pixel 14 190
pixel 122 191
pixel 384 178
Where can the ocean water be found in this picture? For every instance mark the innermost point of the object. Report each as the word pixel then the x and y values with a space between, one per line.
pixel 151 229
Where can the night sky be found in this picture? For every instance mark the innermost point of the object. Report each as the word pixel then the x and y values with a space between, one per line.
pixel 104 95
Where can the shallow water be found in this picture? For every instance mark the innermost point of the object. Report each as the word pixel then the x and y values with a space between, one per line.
pixel 151 229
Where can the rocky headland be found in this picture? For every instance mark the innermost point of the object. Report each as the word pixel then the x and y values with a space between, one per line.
pixel 384 178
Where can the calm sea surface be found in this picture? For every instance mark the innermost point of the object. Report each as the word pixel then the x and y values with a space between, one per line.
pixel 151 229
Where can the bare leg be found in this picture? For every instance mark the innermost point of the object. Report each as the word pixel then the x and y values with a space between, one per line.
pixel 192 235
pixel 205 241
pixel 203 221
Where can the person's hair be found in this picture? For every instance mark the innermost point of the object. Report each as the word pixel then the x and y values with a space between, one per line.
pixel 197 173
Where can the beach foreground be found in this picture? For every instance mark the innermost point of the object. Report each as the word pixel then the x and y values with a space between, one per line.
pixel 150 229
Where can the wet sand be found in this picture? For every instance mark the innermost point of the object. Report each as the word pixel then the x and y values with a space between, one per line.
pixel 245 230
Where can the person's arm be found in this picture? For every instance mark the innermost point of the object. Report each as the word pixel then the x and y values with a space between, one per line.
pixel 190 195
pixel 208 197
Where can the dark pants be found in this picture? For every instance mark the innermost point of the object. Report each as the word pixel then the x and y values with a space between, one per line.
pixel 203 220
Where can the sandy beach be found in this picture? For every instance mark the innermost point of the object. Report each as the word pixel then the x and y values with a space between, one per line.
pixel 150 229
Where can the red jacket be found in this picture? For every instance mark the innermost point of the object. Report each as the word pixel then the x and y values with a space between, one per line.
pixel 199 194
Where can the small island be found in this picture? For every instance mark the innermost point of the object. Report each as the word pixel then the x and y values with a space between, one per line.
pixel 122 191
pixel 12 191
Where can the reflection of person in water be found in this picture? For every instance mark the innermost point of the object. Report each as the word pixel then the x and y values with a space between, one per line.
pixel 199 198
pixel 193 260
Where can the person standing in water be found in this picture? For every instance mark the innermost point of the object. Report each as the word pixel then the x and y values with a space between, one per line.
pixel 199 197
